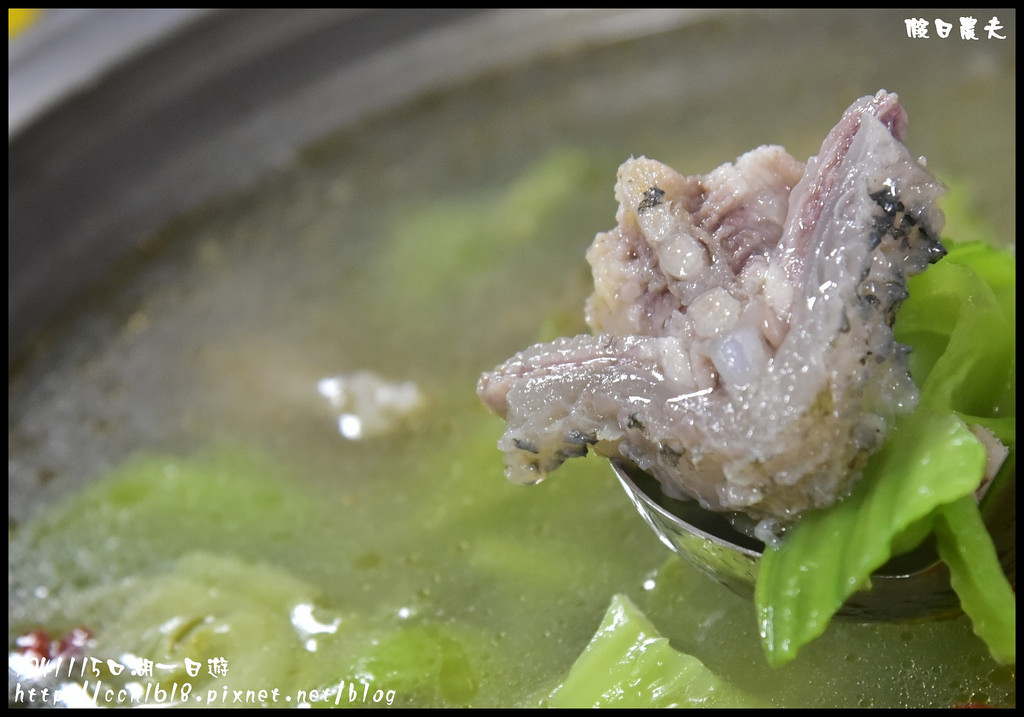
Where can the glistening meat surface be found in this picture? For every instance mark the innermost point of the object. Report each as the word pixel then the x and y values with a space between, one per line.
pixel 742 350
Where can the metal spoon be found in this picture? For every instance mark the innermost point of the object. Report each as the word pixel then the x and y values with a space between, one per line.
pixel 910 586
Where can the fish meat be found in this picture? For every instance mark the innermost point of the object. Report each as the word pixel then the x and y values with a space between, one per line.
pixel 742 350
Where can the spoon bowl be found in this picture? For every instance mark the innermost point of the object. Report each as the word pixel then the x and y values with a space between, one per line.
pixel 913 585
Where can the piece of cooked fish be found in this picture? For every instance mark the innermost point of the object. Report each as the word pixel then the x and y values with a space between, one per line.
pixel 742 350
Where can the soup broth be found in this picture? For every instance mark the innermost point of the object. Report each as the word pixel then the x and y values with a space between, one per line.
pixel 183 486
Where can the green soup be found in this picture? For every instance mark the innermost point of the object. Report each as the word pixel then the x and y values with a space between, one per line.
pixel 200 504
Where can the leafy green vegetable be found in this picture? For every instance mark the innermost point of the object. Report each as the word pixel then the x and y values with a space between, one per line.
pixel 628 664
pixel 977 577
pixel 830 554
pixel 421 658
pixel 263 625
pixel 147 513
pixel 174 559
pixel 959 319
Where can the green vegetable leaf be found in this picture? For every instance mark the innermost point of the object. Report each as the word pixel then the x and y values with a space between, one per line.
pixel 421 659
pixel 831 553
pixel 628 664
pixel 976 575
pixel 960 321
